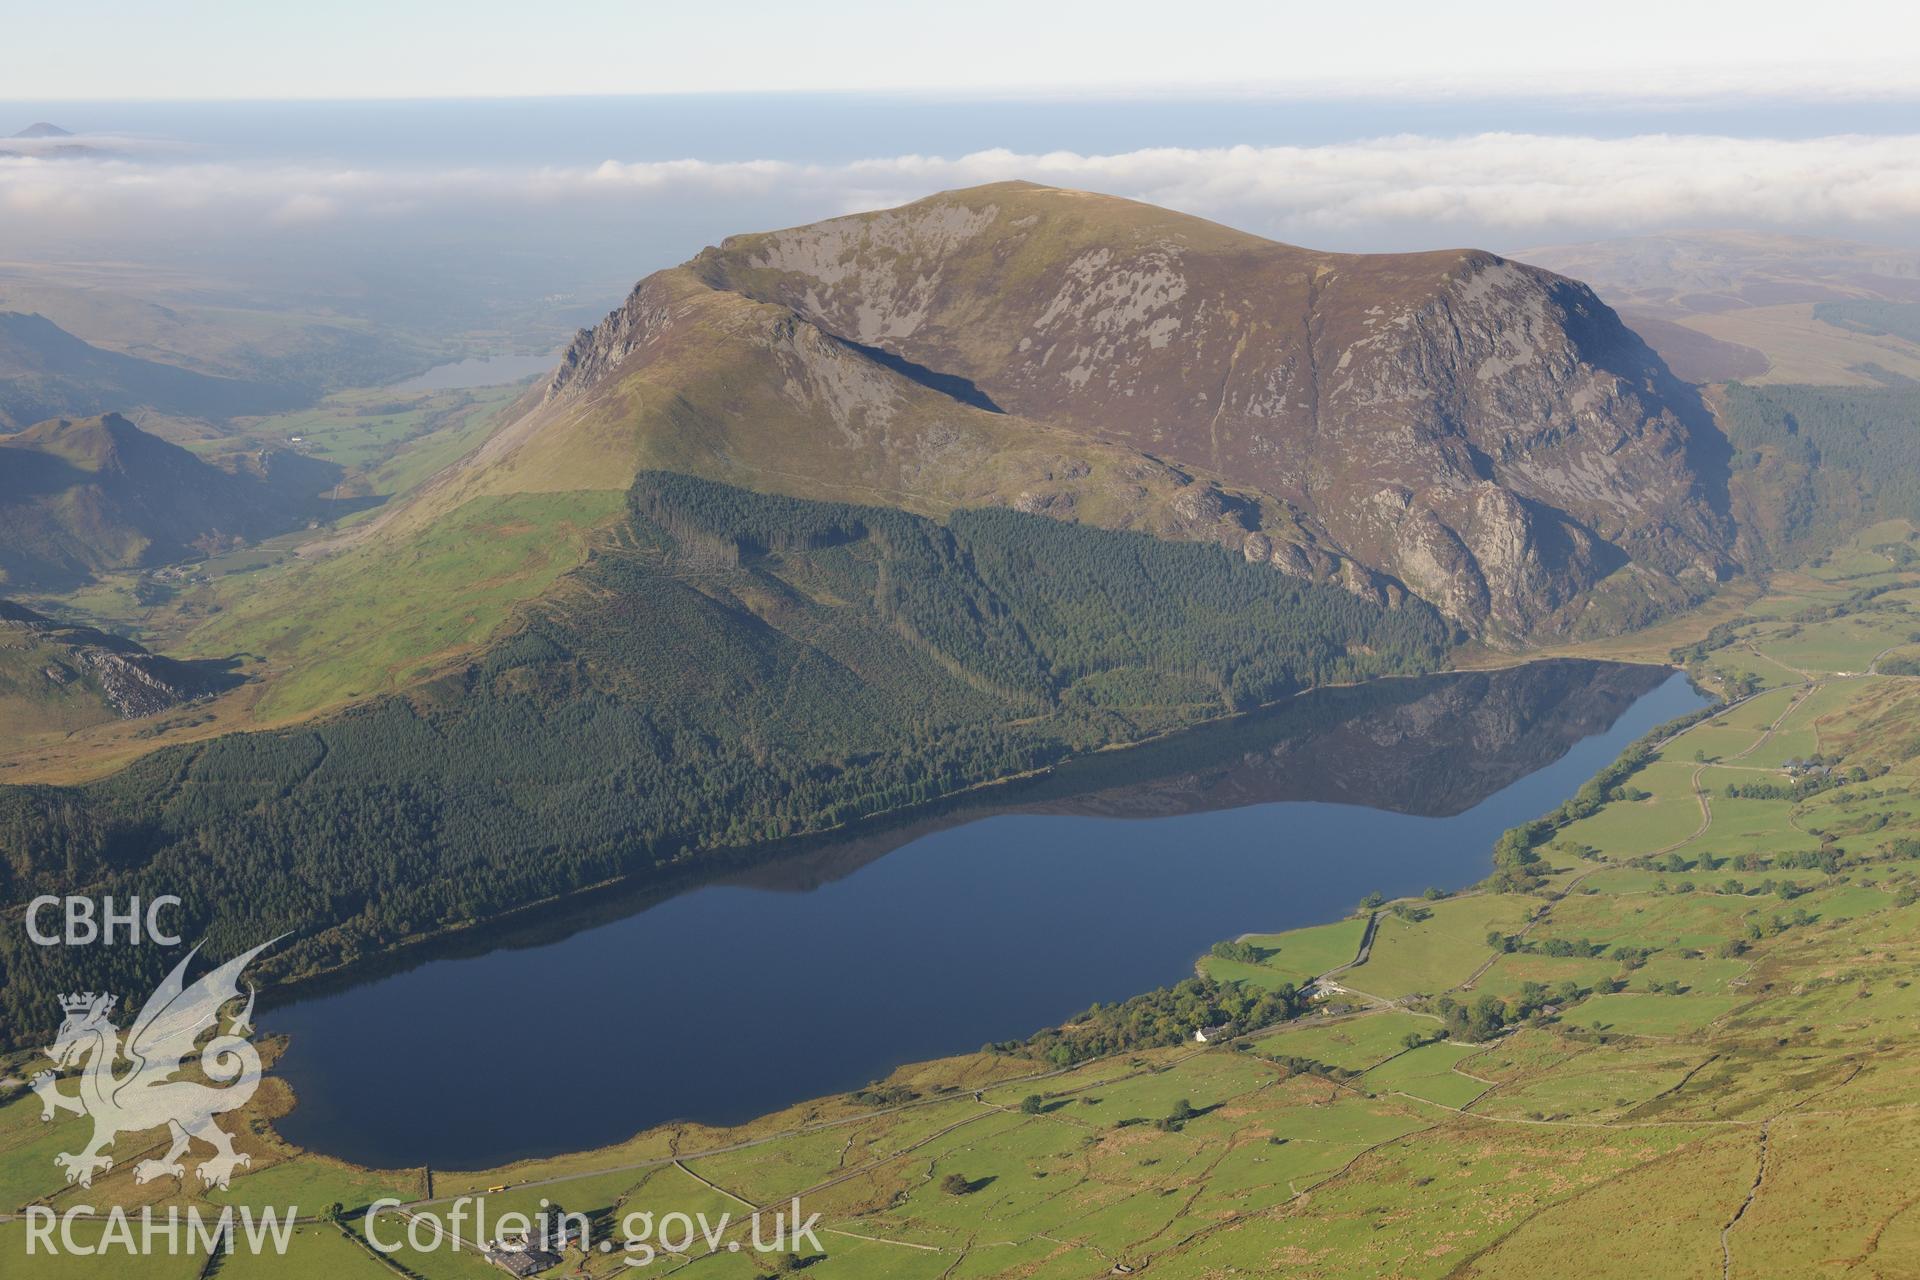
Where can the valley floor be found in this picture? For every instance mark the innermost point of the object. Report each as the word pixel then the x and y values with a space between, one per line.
pixel 1699 1059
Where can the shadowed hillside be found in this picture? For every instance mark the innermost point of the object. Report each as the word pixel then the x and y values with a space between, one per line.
pixel 727 669
pixel 80 496
pixel 46 372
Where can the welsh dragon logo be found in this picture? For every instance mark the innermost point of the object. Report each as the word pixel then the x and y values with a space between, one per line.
pixel 157 1048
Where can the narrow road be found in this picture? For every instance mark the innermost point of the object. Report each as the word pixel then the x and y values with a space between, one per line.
pixel 1812 687
pixel 1366 949
pixel 1706 813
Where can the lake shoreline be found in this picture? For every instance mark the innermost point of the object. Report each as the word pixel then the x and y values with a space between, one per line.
pixel 1081 856
pixel 719 864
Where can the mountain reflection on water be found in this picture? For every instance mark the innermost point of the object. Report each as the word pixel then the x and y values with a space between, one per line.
pixel 827 964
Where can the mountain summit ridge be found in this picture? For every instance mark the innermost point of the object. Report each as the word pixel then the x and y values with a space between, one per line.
pixel 1482 433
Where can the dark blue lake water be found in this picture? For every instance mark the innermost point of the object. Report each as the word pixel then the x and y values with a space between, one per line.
pixel 825 969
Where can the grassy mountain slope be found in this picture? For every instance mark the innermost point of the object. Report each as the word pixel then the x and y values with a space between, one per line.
pixel 1481 433
pixel 731 668
pixel 393 609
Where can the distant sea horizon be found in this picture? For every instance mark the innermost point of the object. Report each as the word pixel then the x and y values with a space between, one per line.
pixel 525 217
pixel 831 128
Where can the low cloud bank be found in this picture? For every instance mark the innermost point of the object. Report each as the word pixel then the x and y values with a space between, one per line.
pixel 1509 184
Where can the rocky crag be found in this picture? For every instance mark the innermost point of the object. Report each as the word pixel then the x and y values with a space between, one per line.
pixel 1483 434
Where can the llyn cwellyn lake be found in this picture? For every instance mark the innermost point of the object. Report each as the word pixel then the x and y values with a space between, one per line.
pixel 821 973
pixel 1030 642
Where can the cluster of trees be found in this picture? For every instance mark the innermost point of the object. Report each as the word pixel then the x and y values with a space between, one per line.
pixel 1799 918
pixel 1295 1065
pixel 1741 684
pixel 1826 460
pixel 1536 997
pixel 1741 889
pixel 1480 1021
pixel 1784 889
pixel 1055 611
pixel 1173 1122
pixel 1488 1015
pixel 1871 315
pixel 1809 784
pixel 1860 600
pixel 1631 957
pixel 1166 1016
pixel 1719 636
pixel 1515 856
pixel 1825 859
pixel 735 670
pixel 1574 948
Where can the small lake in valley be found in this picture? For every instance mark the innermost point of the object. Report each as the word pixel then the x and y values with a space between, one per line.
pixel 478 371
pixel 826 967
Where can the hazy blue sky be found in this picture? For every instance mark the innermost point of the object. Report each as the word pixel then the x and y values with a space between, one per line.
pixel 198 49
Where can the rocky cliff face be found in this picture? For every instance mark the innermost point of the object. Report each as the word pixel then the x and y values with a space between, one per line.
pixel 716 384
pixel 1485 434
pixel 129 679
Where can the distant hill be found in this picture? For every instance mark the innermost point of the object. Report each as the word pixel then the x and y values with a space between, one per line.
pixel 81 495
pixel 1721 305
pixel 46 372
pixel 41 129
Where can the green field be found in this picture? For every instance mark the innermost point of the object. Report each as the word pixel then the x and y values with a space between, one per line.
pixel 1697 1017
pixel 1847 646
pixel 1292 957
pixel 332 632
pixel 1669 815
pixel 1430 1072
pixel 379 431
pixel 1438 952
pixel 1742 825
